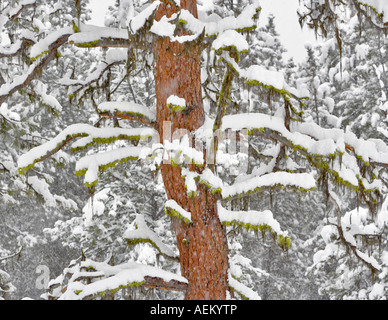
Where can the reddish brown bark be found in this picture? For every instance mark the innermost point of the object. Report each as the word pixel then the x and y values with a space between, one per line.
pixel 202 244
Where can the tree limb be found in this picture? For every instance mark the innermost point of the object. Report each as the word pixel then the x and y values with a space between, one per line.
pixel 37 69
pixel 12 255
pixel 347 244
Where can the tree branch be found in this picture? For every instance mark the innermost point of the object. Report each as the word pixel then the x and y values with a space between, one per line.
pixel 12 255
pixel 21 9
pixel 159 283
pixel 346 243
pixel 35 72
pixel 126 116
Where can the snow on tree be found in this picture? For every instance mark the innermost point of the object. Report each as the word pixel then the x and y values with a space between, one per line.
pixel 185 141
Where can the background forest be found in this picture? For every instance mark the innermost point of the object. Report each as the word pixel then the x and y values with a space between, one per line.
pixel 50 221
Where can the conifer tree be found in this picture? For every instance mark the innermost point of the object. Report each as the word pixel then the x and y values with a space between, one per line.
pixel 183 142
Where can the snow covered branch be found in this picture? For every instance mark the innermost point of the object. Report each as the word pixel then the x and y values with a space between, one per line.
pixel 303 181
pixel 348 240
pixel 89 36
pixel 143 234
pixel 34 71
pixel 16 48
pixel 375 11
pixel 89 279
pixel 18 252
pixel 23 5
pixel 90 135
pixel 128 111
pixel 254 220
pixel 316 143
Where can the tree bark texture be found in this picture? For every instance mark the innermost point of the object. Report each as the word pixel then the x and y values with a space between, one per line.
pixel 202 244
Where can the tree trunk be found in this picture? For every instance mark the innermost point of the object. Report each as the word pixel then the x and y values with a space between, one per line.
pixel 202 244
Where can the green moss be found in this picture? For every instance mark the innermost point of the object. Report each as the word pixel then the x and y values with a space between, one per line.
pixel 81 172
pixel 24 170
pixel 244 297
pixel 129 113
pixel 173 213
pixel 191 194
pixel 75 28
pixel 176 107
pixel 380 15
pixel 254 27
pixel 87 44
pixel 257 189
pixel 103 168
pixel 135 241
pixel 213 189
pixel 284 242
pixel 40 55
pixel 232 49
pixel 135 138
pixel 113 291
pixel 92 184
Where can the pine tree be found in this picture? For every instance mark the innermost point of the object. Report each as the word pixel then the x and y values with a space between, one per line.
pixel 201 204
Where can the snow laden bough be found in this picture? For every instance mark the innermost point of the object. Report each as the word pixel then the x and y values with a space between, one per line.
pixel 338 154
pixel 89 279
pixel 89 165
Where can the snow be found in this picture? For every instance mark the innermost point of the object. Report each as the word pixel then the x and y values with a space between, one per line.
pixel 261 121
pixel 43 45
pixel 8 114
pixel 208 178
pixel 163 27
pixel 250 218
pixel 259 74
pixel 97 135
pixel 304 181
pixel 190 184
pixel 124 107
pixel 46 99
pixel 143 232
pixel 381 6
pixel 42 188
pixel 176 101
pixel 267 77
pixel 91 33
pixel 126 274
pixel 94 207
pixel 214 26
pixel 182 213
pixel 115 55
pixel 91 164
pixel 180 151
pixel 242 289
pixel 76 130
pixel 230 38
pixel 19 6
pixel 361 50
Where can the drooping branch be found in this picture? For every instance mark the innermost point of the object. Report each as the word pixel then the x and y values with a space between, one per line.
pixel 14 14
pixel 362 7
pixel 159 283
pixel 358 254
pixel 127 111
pixel 93 135
pixel 16 48
pixel 34 71
pixel 77 281
pixel 18 252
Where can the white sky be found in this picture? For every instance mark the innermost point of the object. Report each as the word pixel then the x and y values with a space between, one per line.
pixel 286 20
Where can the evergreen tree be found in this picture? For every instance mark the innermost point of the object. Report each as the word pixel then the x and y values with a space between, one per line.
pixel 178 137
